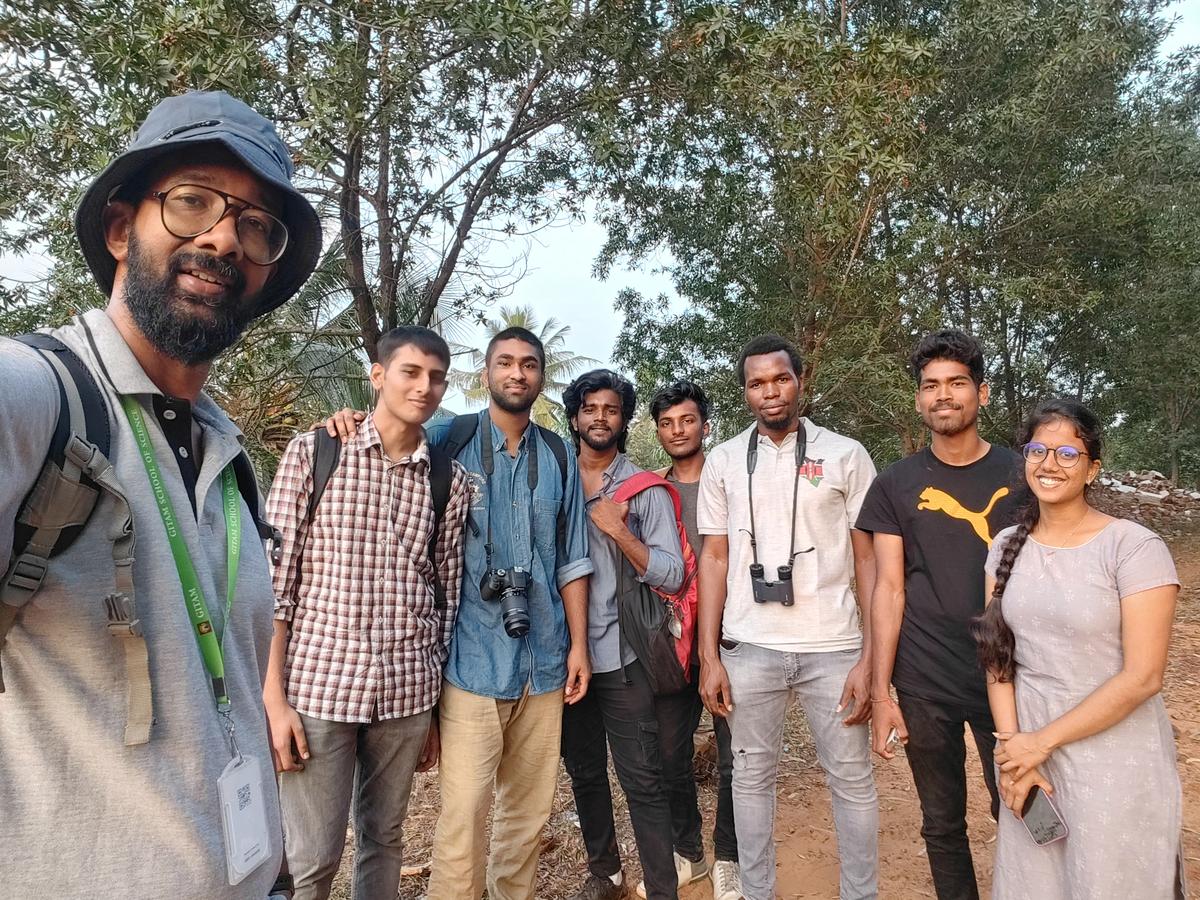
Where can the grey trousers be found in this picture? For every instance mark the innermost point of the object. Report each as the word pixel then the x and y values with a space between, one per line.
pixel 369 765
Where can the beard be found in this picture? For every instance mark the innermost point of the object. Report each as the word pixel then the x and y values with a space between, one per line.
pixel 778 421
pixel 601 444
pixel 678 453
pixel 161 310
pixel 951 425
pixel 512 404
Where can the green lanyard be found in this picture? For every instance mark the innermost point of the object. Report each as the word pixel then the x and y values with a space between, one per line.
pixel 211 649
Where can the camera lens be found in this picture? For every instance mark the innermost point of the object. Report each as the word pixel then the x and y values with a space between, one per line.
pixel 514 614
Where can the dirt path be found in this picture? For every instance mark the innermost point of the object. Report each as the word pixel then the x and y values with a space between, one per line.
pixel 806 854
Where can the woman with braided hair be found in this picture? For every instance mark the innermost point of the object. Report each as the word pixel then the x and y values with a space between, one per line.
pixel 1074 641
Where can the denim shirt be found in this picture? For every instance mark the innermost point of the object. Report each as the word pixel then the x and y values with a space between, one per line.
pixel 483 658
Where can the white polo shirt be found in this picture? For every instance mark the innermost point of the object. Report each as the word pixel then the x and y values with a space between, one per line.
pixel 834 479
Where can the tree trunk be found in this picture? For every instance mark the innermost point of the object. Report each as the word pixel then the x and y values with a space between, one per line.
pixel 350 213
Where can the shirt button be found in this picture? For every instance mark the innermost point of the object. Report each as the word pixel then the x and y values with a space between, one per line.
pixel 169 415
pixel 183 452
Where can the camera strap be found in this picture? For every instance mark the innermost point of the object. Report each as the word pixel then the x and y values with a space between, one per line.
pixel 752 462
pixel 488 459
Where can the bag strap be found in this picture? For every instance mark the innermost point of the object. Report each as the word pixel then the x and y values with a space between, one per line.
pixel 559 448
pixel 247 482
pixel 327 453
pixel 53 514
pixel 439 489
pixel 641 481
pixel 462 429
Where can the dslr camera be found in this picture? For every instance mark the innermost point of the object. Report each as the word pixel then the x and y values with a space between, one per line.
pixel 511 588
pixel 772 591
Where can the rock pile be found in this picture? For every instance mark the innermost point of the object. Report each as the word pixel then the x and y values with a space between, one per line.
pixel 1148 497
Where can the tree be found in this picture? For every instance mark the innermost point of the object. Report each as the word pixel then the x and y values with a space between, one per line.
pixel 561 365
pixel 764 172
pixel 1015 159
pixel 427 130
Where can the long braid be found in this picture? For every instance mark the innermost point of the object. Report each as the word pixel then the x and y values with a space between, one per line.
pixel 995 639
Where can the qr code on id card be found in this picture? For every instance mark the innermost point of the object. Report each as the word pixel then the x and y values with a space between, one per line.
pixel 243 797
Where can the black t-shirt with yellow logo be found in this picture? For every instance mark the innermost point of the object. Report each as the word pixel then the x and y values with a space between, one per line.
pixel 947 516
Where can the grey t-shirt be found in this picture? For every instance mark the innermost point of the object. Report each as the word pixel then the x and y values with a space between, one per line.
pixel 689 493
pixel 85 815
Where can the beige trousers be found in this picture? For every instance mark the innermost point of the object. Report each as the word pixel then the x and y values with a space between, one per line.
pixel 511 748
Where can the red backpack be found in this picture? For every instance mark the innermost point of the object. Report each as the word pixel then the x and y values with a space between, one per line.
pixel 675 625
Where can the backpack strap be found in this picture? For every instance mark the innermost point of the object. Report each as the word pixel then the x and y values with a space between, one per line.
pixel 462 429
pixel 55 511
pixel 327 453
pixel 439 488
pixel 559 448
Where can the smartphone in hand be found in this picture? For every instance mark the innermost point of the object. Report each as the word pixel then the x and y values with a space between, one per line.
pixel 1041 818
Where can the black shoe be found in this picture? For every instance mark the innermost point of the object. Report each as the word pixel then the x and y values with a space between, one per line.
pixel 597 888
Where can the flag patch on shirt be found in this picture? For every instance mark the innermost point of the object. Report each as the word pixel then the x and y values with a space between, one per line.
pixel 813 471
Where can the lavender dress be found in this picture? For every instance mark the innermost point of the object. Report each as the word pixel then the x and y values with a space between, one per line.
pixel 1118 791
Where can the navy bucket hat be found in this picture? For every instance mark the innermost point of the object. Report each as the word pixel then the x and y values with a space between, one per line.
pixel 195 119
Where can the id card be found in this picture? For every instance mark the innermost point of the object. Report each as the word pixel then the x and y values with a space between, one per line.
pixel 243 818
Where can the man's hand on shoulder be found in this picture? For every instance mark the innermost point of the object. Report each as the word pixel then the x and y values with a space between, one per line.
pixel 343 423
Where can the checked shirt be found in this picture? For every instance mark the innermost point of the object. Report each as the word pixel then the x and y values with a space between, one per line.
pixel 356 585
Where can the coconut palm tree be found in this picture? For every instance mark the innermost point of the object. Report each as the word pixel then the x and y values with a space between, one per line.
pixel 561 364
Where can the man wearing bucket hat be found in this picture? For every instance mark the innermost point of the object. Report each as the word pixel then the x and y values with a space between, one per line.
pixel 133 748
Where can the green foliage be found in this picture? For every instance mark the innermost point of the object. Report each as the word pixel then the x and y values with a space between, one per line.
pixel 426 130
pixel 853 175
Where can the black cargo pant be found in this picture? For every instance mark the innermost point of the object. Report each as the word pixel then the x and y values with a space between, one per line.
pixel 621 712
pixel 937 754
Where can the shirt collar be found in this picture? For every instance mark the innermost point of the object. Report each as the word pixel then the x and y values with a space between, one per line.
pixel 367 437
pixel 500 439
pixel 811 432
pixel 617 471
pixel 128 376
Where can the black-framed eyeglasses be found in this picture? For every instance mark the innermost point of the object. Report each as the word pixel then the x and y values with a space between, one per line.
pixel 189 210
pixel 1067 456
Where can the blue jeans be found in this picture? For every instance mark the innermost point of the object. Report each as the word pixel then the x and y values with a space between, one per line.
pixel 762 683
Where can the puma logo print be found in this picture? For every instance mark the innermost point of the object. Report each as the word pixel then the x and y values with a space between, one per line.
pixel 940 501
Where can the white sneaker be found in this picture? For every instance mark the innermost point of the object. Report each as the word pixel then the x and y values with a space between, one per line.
pixel 726 880
pixel 687 871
